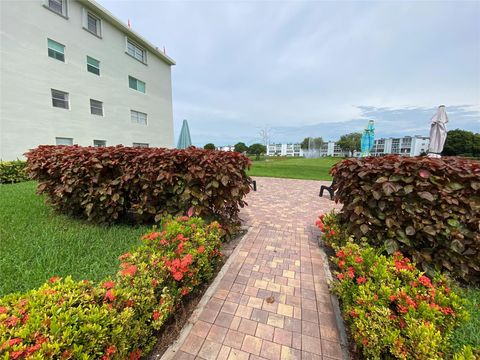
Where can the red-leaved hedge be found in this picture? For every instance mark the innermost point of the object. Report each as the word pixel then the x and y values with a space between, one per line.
pixel 427 208
pixel 108 184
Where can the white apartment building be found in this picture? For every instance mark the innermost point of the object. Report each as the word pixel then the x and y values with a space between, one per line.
pixel 71 73
pixel 407 146
pixel 332 149
pixel 284 150
pixel 225 148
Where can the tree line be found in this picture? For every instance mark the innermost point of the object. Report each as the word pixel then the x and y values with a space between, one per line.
pixel 458 143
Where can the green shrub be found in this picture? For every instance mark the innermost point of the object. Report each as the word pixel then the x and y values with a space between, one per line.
pixel 12 172
pixel 392 309
pixel 109 184
pixel 427 208
pixel 116 318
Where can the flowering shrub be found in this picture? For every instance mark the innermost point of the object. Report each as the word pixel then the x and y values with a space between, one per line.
pixel 109 184
pixel 427 208
pixel 12 172
pixel 394 310
pixel 333 234
pixel 116 318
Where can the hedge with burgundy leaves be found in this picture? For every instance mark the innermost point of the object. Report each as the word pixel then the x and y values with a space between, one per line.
pixel 109 184
pixel 118 317
pixel 427 208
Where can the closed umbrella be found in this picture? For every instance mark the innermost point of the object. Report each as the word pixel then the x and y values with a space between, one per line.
pixel 438 132
pixel 366 142
pixel 184 140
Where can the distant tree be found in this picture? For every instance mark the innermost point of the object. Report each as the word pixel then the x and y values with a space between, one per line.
pixel 240 147
pixel 209 146
pixel 350 142
pixel 315 143
pixel 257 149
pixel 462 142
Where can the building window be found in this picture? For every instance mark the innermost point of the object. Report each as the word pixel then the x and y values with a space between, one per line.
pixel 136 84
pixel 56 50
pixel 99 143
pixel 92 23
pixel 60 99
pixel 93 65
pixel 138 117
pixel 63 141
pixel 136 51
pixel 141 145
pixel 96 107
pixel 57 6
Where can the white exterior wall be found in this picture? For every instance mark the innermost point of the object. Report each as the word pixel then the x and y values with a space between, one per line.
pixel 284 150
pixel 407 146
pixel 27 117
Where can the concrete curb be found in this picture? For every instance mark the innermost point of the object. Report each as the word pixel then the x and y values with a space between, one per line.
pixel 176 345
pixel 336 305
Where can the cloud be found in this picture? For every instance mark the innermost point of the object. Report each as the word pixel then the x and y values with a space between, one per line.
pixel 302 67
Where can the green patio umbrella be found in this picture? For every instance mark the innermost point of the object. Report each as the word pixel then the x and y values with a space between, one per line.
pixel 184 140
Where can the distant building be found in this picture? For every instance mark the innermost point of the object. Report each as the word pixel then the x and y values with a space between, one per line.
pixel 225 148
pixel 284 150
pixel 332 149
pixel 407 146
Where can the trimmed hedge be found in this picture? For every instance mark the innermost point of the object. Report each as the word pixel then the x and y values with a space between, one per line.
pixel 116 318
pixel 427 208
pixel 109 184
pixel 13 171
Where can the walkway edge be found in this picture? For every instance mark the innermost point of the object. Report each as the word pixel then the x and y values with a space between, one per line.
pixel 172 350
pixel 335 303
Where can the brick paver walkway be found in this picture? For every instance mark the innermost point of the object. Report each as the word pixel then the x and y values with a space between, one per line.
pixel 273 301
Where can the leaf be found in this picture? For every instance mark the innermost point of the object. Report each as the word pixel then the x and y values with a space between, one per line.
pixel 429 230
pixel 426 195
pixel 381 180
pixel 388 188
pixel 457 246
pixel 115 197
pixel 364 228
pixel 158 217
pixel 376 195
pixel 410 230
pixel 424 173
pixel 390 245
pixel 408 189
pixel 455 186
pixel 453 222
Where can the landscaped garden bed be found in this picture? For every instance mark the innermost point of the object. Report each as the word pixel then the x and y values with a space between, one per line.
pixel 396 209
pixel 118 316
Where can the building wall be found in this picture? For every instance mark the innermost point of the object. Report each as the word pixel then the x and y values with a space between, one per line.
pixel 28 74
pixel 407 146
pixel 284 150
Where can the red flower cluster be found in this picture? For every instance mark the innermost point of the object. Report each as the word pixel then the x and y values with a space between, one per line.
pixel 152 236
pixel 178 267
pixel 402 263
pixel 112 349
pixel 128 269
pixel 110 296
pixel 108 284
pixel 156 315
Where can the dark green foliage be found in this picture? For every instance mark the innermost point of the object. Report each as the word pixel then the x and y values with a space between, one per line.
pixel 462 142
pixel 240 147
pixel 350 142
pixel 257 149
pixel 12 171
pixel 209 146
pixel 110 184
pixel 427 208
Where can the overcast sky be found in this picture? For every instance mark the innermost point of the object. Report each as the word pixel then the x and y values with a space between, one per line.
pixel 304 68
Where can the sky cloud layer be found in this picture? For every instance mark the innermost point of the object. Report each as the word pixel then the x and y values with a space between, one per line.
pixel 314 68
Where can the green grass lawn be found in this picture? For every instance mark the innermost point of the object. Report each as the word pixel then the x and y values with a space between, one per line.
pixel 36 243
pixel 469 331
pixel 293 168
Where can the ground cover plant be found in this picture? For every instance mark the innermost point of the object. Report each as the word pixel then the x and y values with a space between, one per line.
pixel 37 243
pixel 12 172
pixel 112 184
pixel 293 167
pixel 117 317
pixel 392 309
pixel 427 208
